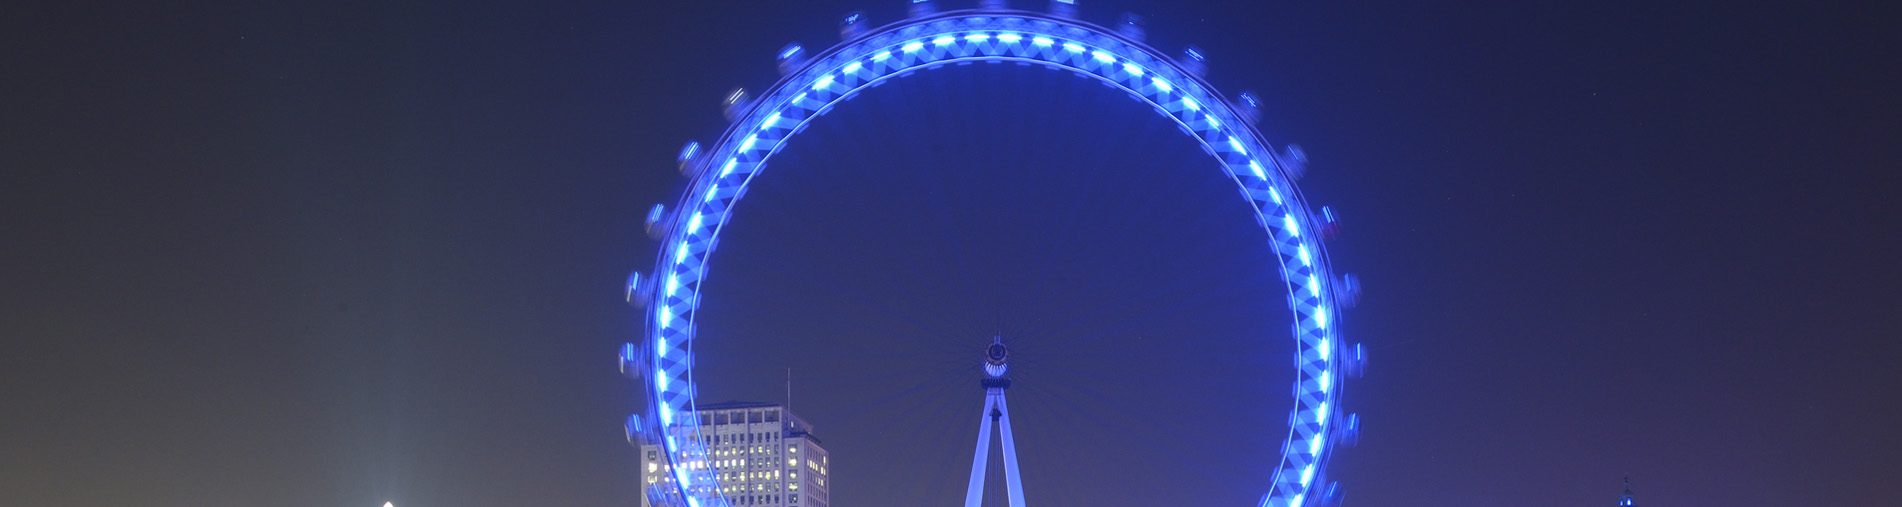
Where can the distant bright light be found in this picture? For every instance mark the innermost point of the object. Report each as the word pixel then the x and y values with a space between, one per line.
pixel 1042 41
pixel 942 40
pixel 1102 57
pixel 389 504
pixel 1073 47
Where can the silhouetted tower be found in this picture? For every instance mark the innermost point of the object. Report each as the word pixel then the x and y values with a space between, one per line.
pixel 1625 500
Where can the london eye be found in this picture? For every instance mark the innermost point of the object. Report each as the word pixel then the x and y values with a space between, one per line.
pixel 931 42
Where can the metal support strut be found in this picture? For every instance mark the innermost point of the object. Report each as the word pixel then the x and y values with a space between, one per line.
pixel 998 413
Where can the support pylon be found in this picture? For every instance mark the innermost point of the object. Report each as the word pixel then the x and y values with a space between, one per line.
pixel 996 412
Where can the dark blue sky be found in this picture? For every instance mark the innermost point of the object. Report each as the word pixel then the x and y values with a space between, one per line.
pixel 342 253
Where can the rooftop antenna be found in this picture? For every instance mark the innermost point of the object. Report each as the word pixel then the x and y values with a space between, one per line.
pixel 789 390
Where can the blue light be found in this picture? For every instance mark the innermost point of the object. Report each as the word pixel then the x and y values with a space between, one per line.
pixel 790 51
pixel 1301 458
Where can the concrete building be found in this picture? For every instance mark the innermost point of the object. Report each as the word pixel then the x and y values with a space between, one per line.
pixel 763 456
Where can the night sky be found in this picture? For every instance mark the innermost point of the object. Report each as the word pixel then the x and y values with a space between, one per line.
pixel 336 254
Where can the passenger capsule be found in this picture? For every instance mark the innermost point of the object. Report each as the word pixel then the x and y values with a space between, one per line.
pixel 790 58
pixel 1248 106
pixel 1131 27
pixel 735 104
pixel 658 221
pixel 1294 161
pixel 1063 8
pixel 691 163
pixel 1194 62
pixel 852 26
pixel 922 8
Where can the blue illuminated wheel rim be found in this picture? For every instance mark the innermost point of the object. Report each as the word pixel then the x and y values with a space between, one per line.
pixel 762 127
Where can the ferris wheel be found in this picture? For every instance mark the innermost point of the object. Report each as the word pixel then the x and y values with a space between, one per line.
pixel 813 83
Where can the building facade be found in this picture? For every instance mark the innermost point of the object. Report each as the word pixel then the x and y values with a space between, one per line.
pixel 762 454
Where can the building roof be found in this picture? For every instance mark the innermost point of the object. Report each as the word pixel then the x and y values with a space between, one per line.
pixel 729 405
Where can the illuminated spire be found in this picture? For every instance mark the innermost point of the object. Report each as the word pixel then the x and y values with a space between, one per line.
pixel 1625 499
